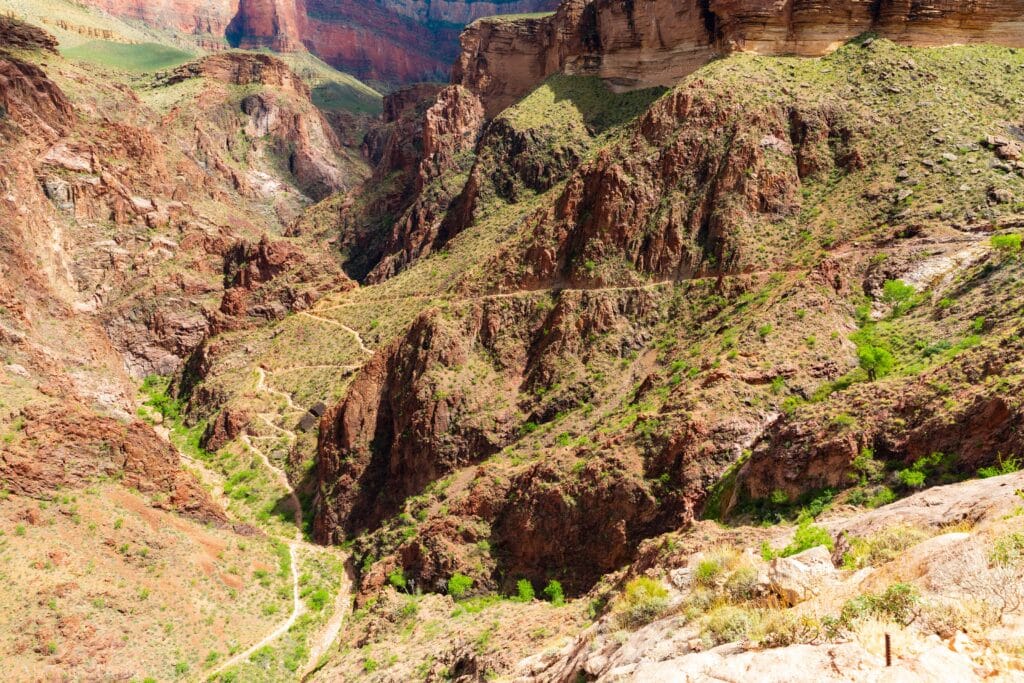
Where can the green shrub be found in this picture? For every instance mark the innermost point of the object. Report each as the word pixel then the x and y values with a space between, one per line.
pixel 900 603
pixel 707 572
pixel 808 536
pixel 901 295
pixel 642 601
pixel 524 590
pixel 1007 244
pixel 458 585
pixel 1002 466
pixel 397 579
pixel 911 478
pixel 553 592
pixel 865 468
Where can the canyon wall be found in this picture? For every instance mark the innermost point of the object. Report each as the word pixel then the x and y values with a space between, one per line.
pixel 657 42
pixel 395 41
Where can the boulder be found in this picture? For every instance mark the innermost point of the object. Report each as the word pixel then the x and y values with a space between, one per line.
pixel 802 576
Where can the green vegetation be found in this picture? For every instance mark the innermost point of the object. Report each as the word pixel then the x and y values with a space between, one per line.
pixel 553 592
pixel 876 361
pixel 1007 244
pixel 899 603
pixel 128 57
pixel 524 590
pixel 332 89
pixel 459 585
pixel 882 547
pixel 576 105
pixel 643 600
pixel 805 537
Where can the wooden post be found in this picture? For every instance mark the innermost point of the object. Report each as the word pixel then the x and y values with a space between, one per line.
pixel 888 650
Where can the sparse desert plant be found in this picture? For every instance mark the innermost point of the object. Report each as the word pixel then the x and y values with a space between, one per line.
pixel 943 618
pixel 784 627
pixel 642 601
pixel 741 583
pixel 882 547
pixel 728 624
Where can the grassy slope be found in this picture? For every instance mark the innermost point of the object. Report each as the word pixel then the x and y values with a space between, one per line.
pixel 138 57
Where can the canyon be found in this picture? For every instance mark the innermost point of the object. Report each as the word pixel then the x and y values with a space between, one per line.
pixel 384 42
pixel 652 342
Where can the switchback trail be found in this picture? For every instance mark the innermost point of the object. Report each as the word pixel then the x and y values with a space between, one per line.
pixel 340 608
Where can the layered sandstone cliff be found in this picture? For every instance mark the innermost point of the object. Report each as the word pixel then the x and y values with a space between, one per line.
pixel 656 42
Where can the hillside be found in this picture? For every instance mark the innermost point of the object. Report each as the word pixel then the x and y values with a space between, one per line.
pixel 688 358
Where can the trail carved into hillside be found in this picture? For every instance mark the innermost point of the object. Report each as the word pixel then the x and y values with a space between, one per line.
pixel 359 340
pixel 333 626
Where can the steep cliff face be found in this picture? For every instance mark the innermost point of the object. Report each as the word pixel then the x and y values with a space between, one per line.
pixel 634 45
pixel 395 41
pixel 187 16
pixel 273 24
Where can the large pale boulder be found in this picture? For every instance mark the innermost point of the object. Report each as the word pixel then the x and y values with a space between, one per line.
pixel 802 576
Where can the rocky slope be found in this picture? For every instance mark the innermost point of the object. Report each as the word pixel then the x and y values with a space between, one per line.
pixel 639 45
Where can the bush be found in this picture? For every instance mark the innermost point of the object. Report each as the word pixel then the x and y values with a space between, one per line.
pixel 553 592
pixel 943 619
pixel 728 624
pixel 642 601
pixel 900 603
pixel 1002 466
pixel 397 579
pixel 808 536
pixel 742 583
pixel 1007 244
pixel 901 295
pixel 781 628
pixel 882 547
pixel 524 590
pixel 458 585
pixel 707 572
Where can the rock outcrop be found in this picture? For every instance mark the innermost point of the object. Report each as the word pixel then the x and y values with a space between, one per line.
pixel 635 45
pixel 81 448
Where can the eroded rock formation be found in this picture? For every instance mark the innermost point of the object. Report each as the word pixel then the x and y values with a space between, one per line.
pixel 656 42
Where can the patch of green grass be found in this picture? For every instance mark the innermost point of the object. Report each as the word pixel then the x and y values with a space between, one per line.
pixel 128 57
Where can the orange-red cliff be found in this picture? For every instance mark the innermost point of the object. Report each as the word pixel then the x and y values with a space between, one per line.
pixel 657 42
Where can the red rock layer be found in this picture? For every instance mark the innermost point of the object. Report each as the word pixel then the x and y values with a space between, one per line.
pixel 657 42
pixel 188 16
pixel 394 41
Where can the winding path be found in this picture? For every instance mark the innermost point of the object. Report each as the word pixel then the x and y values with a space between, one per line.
pixel 359 340
pixel 341 603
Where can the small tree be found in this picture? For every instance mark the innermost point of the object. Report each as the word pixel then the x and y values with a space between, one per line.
pixel 524 590
pixel 877 361
pixel 553 592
